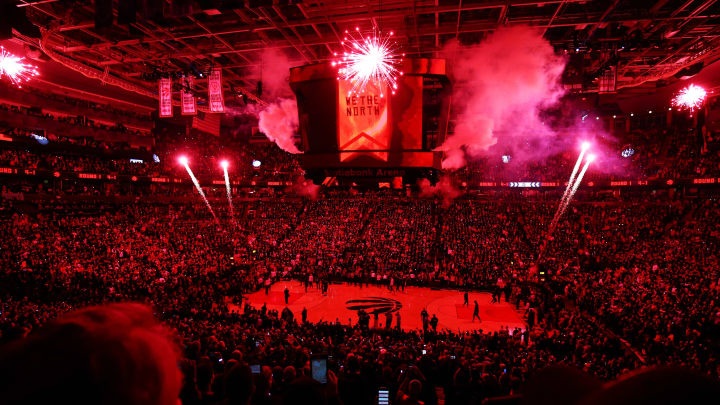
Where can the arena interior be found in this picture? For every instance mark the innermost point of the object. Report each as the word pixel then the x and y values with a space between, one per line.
pixel 221 202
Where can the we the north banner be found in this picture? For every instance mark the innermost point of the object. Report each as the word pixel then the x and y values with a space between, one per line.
pixel 362 122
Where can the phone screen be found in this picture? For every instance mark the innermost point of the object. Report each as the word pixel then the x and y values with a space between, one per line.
pixel 255 368
pixel 383 396
pixel 318 367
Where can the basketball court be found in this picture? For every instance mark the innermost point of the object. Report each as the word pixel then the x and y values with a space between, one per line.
pixel 342 301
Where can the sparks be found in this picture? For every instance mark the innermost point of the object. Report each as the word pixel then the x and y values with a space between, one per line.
pixel 371 59
pixel 183 160
pixel 224 164
pixel 568 189
pixel 15 69
pixel 572 187
pixel 690 97
pixel 580 176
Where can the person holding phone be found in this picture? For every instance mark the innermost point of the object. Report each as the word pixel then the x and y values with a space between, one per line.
pixel 318 369
pixel 308 390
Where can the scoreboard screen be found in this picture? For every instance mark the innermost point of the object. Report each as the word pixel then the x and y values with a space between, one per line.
pixel 349 135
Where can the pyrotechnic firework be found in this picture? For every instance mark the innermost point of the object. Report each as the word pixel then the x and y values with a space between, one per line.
pixel 570 191
pixel 691 97
pixel 580 176
pixel 585 146
pixel 225 165
pixel 372 59
pixel 184 161
pixel 15 69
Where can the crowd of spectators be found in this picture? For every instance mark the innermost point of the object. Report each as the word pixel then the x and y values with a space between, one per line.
pixel 617 285
pixel 631 284
pixel 73 120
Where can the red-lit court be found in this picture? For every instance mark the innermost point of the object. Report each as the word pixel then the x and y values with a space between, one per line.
pixel 446 304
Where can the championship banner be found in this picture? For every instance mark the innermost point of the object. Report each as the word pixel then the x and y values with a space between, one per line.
pixel 165 92
pixel 215 95
pixel 362 122
pixel 187 99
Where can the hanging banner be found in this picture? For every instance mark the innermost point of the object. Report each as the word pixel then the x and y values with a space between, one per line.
pixel 166 97
pixel 215 95
pixel 362 122
pixel 187 99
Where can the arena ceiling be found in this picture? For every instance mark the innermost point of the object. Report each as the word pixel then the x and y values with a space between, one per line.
pixel 644 40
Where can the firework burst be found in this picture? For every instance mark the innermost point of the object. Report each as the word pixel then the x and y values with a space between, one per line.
pixel 369 60
pixel 15 69
pixel 691 97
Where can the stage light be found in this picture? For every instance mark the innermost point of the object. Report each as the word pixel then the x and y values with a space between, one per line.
pixel 506 158
pixel 626 153
pixel 591 158
pixel 256 163
pixel 41 139
pixel 690 97
pixel 156 158
pixel 224 164
pixel 14 68
pixel 585 146
pixel 372 59
pixel 183 160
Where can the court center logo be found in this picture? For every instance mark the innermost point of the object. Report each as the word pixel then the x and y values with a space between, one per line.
pixel 374 305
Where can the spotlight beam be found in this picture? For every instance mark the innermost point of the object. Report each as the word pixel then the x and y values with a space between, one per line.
pixel 184 162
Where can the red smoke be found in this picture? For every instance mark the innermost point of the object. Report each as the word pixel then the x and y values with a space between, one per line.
pixel 274 72
pixel 279 119
pixel 305 188
pixel 501 86
pixel 444 189
pixel 279 122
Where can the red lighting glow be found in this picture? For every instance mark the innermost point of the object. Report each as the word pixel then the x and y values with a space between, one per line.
pixel 14 68
pixel 183 160
pixel 224 164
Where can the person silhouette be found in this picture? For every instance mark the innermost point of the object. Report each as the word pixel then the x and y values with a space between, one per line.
pixel 476 312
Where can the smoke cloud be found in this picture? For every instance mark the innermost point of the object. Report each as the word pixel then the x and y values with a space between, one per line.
pixel 279 122
pixel 501 87
pixel 444 189
pixel 304 188
pixel 274 72
pixel 279 119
